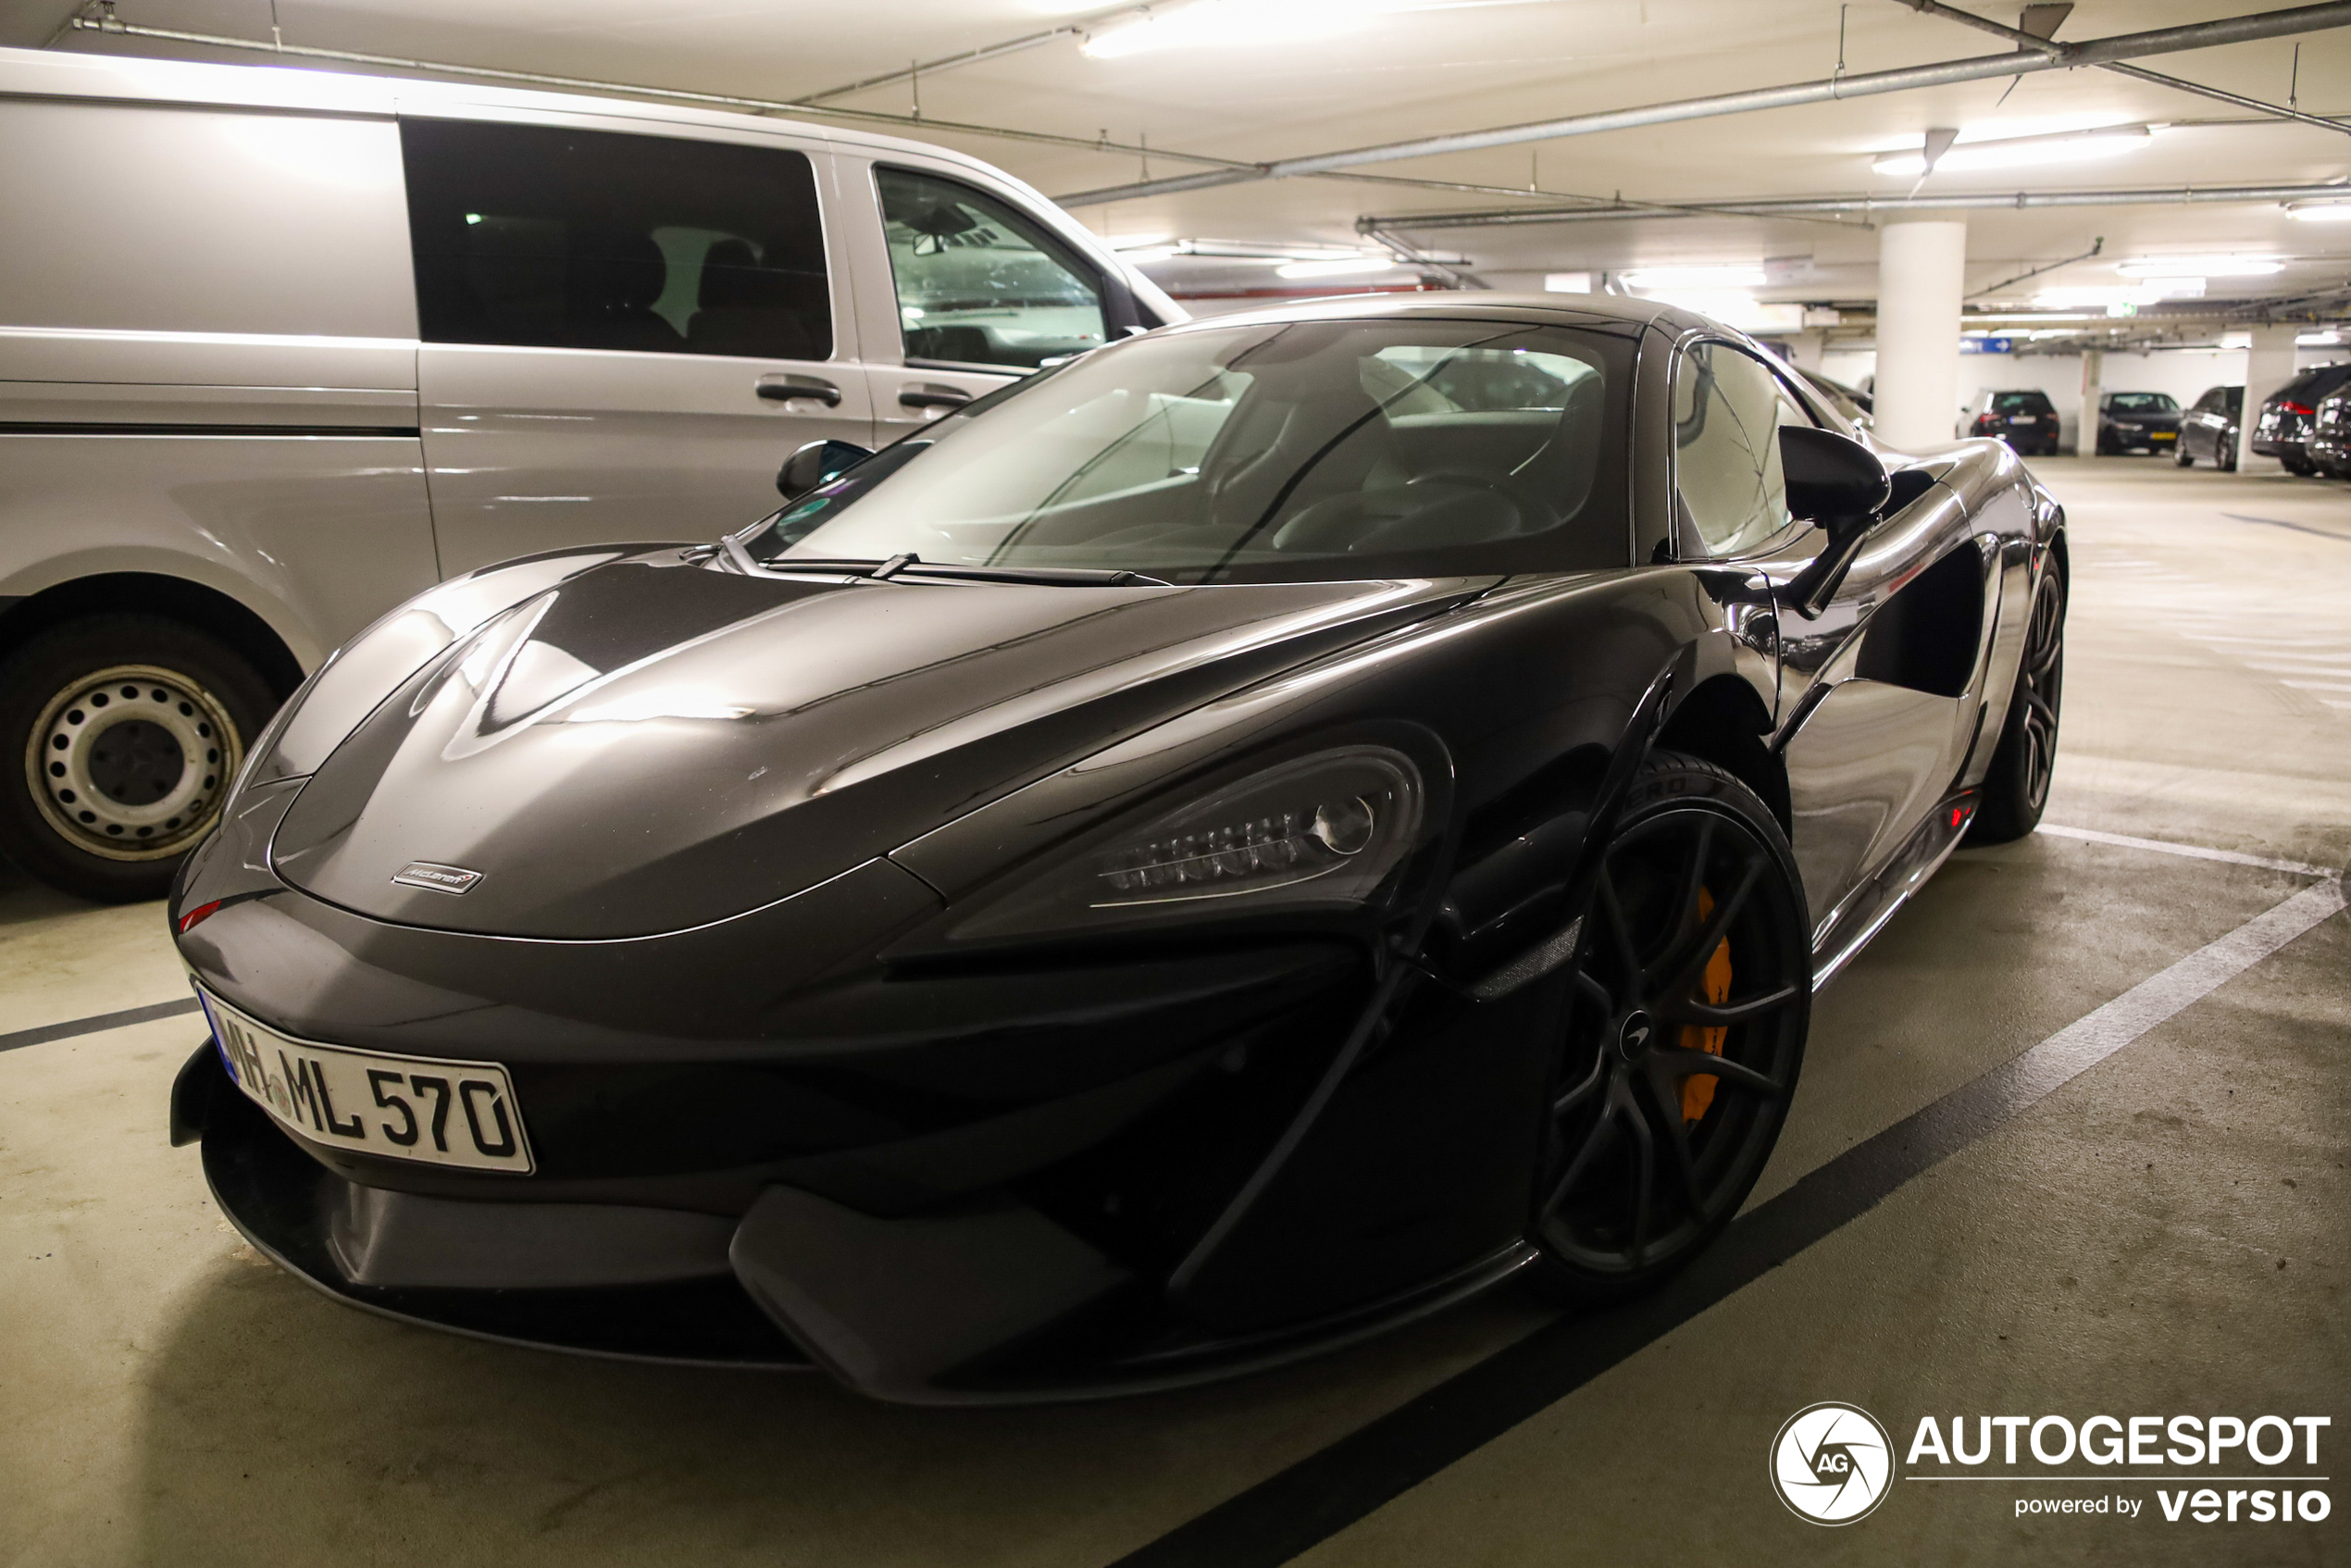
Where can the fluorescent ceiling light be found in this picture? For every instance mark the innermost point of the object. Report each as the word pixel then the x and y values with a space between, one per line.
pixel 2200 265
pixel 2146 291
pixel 1212 22
pixel 1648 279
pixel 2018 151
pixel 2316 339
pixel 2323 210
pixel 1336 268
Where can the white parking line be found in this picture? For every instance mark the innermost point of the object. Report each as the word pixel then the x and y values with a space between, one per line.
pixel 2193 852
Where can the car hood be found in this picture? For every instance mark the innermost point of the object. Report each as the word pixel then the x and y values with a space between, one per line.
pixel 656 743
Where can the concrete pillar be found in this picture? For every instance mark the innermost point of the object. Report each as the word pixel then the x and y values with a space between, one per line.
pixel 1804 349
pixel 2092 387
pixel 1922 278
pixel 2267 367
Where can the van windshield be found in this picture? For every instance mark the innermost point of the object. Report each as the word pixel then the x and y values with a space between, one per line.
pixel 1297 451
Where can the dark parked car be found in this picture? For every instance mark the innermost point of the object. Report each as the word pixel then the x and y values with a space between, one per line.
pixel 2026 420
pixel 2137 421
pixel 1242 837
pixel 2284 425
pixel 2329 446
pixel 2208 429
pixel 1852 402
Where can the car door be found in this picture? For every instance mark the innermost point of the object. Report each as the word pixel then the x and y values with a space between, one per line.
pixel 1881 721
pixel 623 334
pixel 981 291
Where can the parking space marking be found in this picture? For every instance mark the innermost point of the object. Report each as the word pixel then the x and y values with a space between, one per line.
pixel 98 1024
pixel 1298 1507
pixel 2192 851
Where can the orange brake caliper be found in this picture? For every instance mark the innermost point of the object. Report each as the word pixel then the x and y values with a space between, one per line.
pixel 1698 1090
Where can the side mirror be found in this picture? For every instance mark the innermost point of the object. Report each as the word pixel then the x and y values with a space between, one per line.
pixel 819 462
pixel 1836 483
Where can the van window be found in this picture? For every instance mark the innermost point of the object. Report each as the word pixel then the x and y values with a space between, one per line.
pixel 140 217
pixel 543 237
pixel 979 283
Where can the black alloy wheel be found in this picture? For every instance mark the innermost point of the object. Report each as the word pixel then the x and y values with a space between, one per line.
pixel 2016 788
pixel 119 738
pixel 1684 1031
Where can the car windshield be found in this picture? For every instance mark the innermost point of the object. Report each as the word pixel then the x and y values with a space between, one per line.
pixel 2019 403
pixel 2143 403
pixel 1296 451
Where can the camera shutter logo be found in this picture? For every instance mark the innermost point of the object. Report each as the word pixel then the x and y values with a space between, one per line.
pixel 1831 1463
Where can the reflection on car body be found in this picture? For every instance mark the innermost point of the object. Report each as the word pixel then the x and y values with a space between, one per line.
pixel 1255 833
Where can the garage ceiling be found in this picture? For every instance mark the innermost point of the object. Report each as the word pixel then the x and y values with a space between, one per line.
pixel 1309 76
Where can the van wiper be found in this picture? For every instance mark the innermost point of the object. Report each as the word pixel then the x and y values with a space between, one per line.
pixel 913 565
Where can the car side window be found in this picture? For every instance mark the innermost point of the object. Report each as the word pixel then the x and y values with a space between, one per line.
pixel 1727 412
pixel 546 237
pixel 979 282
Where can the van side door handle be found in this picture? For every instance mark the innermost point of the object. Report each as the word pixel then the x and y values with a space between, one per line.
pixel 784 389
pixel 933 397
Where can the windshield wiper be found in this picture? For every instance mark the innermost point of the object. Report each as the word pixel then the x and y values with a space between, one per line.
pixel 913 565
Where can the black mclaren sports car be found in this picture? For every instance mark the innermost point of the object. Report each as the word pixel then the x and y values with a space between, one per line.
pixel 1238 839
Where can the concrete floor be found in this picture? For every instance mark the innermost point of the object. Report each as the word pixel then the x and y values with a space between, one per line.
pixel 2164 1232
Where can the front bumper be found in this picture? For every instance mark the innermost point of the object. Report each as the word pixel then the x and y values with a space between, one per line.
pixel 990 1304
pixel 760 1143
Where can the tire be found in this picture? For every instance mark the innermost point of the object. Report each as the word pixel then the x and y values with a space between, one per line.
pixel 1644 1160
pixel 119 738
pixel 2184 459
pixel 2224 454
pixel 2300 468
pixel 2016 788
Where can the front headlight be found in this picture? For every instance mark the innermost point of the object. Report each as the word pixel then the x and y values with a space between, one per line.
pixel 1321 832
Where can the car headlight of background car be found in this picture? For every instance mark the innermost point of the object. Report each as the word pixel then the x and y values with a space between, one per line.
pixel 1325 831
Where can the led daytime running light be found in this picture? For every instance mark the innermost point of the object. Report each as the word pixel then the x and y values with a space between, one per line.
pixel 1306 842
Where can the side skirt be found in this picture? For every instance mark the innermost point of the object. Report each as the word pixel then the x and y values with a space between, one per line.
pixel 1867 910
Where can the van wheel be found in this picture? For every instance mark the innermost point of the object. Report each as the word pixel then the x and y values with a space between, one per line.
pixel 120 735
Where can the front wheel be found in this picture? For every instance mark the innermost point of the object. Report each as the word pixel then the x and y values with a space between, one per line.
pixel 119 735
pixel 2184 459
pixel 1685 1030
pixel 2224 457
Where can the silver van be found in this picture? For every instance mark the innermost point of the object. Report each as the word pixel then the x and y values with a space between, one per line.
pixel 279 349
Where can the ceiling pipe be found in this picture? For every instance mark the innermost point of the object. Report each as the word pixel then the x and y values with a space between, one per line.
pixel 2040 42
pixel 1077 28
pixel 1782 207
pixel 2159 41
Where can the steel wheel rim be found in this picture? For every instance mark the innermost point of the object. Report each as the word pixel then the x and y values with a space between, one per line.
pixel 1625 1181
pixel 2041 689
pixel 131 763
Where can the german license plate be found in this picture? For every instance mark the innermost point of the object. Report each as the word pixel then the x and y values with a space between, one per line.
pixel 423 1108
pixel 2021 419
